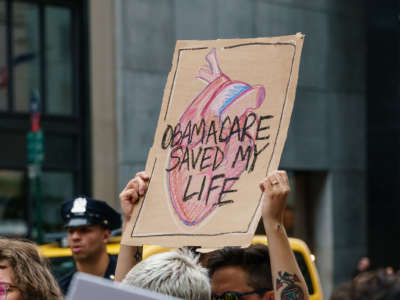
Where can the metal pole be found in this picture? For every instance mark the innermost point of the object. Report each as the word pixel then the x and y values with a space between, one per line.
pixel 30 206
pixel 35 159
pixel 38 204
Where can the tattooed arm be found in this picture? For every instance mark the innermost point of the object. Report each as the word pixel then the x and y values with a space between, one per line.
pixel 288 280
pixel 130 255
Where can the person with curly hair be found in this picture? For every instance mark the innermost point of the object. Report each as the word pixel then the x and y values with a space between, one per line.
pixel 24 274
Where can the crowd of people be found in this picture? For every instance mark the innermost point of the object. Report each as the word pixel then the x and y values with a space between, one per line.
pixel 370 284
pixel 255 272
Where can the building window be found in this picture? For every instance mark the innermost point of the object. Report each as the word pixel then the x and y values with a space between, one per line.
pixel 25 54
pixel 43 50
pixel 59 87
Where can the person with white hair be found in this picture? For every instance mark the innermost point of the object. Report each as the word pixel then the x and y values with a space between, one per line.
pixel 174 273
pixel 228 280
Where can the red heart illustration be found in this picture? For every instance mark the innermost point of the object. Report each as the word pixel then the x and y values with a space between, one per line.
pixel 211 143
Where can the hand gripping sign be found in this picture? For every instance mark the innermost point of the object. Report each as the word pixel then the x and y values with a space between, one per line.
pixel 222 127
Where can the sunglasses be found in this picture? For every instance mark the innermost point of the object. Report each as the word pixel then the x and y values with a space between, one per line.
pixel 236 295
pixel 4 287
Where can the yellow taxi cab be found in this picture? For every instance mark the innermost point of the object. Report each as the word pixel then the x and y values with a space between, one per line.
pixel 61 259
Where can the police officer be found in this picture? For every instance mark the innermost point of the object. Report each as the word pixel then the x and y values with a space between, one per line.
pixel 88 223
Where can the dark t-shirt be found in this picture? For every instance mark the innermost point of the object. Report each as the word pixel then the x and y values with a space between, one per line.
pixel 66 281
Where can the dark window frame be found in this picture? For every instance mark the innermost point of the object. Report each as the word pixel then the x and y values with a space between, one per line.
pixel 76 125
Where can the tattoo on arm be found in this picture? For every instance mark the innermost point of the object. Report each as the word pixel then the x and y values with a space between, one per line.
pixel 138 254
pixel 291 291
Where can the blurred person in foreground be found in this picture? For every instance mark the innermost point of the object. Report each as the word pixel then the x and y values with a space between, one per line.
pixel 342 291
pixel 363 265
pixel 24 274
pixel 370 285
pixel 231 281
pixel 175 273
pixel 89 223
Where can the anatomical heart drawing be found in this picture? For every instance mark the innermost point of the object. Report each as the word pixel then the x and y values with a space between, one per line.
pixel 223 123
pixel 224 113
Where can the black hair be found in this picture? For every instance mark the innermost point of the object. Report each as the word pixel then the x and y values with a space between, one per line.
pixel 254 260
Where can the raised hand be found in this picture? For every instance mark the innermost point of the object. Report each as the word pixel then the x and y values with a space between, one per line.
pixel 130 255
pixel 276 190
pixel 288 279
pixel 135 189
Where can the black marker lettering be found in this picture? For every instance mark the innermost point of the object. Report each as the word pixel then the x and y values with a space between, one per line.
pixel 212 132
pixel 197 129
pixel 242 155
pixel 223 191
pixel 172 156
pixel 186 133
pixel 215 163
pixel 259 128
pixel 202 187
pixel 211 187
pixel 247 126
pixel 256 153
pixel 177 133
pixel 167 134
pixel 226 139
pixel 205 158
pixel 185 159
pixel 235 129
pixel 195 160
pixel 186 198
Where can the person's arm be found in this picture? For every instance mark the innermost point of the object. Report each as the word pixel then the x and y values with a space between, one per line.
pixel 130 255
pixel 287 277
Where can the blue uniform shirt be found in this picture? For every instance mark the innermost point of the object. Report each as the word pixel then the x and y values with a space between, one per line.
pixel 66 281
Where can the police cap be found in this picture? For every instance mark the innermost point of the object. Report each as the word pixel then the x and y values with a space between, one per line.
pixel 83 211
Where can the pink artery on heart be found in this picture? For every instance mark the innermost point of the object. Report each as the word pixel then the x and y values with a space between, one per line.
pixel 219 128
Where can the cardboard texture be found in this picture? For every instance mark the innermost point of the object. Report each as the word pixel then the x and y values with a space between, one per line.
pixel 89 287
pixel 222 127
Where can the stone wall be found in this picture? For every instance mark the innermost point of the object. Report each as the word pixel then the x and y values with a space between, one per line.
pixel 328 124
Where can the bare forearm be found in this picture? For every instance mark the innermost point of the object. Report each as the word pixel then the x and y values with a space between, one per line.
pixel 128 257
pixel 287 278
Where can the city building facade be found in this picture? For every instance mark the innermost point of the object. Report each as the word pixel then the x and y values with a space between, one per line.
pixel 100 66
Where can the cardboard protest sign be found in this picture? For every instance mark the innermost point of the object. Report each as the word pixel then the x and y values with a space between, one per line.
pixel 222 127
pixel 89 287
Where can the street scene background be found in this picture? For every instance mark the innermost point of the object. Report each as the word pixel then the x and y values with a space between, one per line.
pixel 98 70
